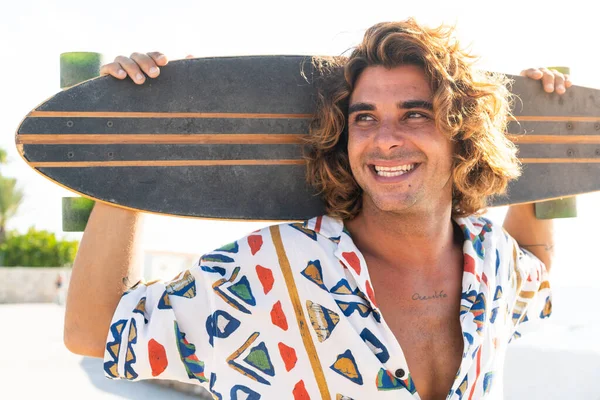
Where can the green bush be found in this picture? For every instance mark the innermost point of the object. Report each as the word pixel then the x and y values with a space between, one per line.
pixel 37 249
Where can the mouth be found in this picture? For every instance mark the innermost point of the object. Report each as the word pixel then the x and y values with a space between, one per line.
pixel 393 171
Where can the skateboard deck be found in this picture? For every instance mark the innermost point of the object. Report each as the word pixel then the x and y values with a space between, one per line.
pixel 222 138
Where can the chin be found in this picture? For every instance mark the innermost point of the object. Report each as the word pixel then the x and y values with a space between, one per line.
pixel 392 205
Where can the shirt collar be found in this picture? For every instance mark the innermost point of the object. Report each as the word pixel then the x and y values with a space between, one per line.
pixel 326 226
pixel 474 230
pixel 346 252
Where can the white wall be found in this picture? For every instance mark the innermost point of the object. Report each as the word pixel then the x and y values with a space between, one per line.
pixel 32 284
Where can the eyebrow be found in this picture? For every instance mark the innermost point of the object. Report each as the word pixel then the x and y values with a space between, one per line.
pixel 406 105
pixel 416 104
pixel 360 107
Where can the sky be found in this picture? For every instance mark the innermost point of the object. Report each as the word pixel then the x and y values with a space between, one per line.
pixel 509 36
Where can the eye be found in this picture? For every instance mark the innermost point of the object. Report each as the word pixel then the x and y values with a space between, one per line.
pixel 364 117
pixel 416 115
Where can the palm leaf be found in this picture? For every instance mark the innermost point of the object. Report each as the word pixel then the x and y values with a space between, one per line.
pixel 11 198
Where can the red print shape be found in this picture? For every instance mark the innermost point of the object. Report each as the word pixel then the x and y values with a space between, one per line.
pixel 469 265
pixel 300 392
pixel 157 357
pixel 278 317
pixel 353 260
pixel 265 275
pixel 255 242
pixel 318 224
pixel 370 293
pixel 288 355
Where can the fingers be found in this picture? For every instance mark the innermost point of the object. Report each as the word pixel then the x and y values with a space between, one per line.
pixel 547 80
pixel 113 69
pixel 137 66
pixel 552 80
pixel 559 82
pixel 132 69
pixel 159 58
pixel 146 64
pixel 533 73
pixel 568 82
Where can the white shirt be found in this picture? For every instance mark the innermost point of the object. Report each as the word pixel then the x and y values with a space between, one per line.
pixel 289 312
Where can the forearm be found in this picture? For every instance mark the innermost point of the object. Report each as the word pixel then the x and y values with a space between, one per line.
pixel 106 264
pixel 535 235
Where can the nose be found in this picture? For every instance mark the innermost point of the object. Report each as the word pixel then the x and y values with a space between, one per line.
pixel 388 136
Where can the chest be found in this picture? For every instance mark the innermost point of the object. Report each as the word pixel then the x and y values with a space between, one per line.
pixel 424 318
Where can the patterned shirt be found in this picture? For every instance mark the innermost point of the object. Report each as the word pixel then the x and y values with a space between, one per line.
pixel 289 312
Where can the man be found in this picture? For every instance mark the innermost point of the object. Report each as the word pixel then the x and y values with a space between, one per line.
pixel 406 145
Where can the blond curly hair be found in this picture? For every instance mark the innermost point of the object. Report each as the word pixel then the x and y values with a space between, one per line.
pixel 471 108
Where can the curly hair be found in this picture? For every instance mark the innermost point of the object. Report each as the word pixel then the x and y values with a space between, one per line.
pixel 470 107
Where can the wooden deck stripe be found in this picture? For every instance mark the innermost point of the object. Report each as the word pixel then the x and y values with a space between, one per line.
pixel 555 118
pixel 244 138
pixel 209 163
pixel 160 163
pixel 559 160
pixel 300 318
pixel 117 114
pixel 151 138
pixel 555 139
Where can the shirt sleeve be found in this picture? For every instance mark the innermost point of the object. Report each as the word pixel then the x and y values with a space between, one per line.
pixel 531 300
pixel 159 330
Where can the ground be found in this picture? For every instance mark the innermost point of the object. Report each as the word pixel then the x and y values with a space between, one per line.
pixel 561 361
pixel 36 365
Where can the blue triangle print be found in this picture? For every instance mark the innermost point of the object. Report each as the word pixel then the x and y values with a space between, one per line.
pixel 243 291
pixel 314 273
pixel 259 359
pixel 345 365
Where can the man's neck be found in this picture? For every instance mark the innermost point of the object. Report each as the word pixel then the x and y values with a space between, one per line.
pixel 411 242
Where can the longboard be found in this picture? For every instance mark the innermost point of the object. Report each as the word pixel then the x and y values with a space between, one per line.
pixel 222 138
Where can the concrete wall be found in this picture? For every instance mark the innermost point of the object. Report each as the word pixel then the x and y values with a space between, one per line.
pixel 194 390
pixel 33 284
pixel 38 284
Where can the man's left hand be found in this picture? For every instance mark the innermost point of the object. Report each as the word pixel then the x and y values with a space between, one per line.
pixel 552 80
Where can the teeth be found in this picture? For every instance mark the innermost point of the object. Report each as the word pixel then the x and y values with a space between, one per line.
pixel 398 173
pixel 394 171
pixel 406 167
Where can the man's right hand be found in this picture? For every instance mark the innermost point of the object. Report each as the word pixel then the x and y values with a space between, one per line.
pixel 137 66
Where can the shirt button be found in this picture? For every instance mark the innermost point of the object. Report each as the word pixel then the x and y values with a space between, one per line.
pixel 400 373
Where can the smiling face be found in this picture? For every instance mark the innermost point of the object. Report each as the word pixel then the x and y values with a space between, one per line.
pixel 396 153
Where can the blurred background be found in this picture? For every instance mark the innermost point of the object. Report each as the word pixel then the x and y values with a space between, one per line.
pixel 562 361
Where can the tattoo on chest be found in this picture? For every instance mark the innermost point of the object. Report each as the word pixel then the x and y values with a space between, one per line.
pixel 436 295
